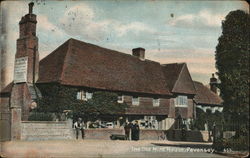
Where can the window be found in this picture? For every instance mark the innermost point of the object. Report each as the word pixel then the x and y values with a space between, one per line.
pixel 120 99
pixel 89 95
pixel 135 101
pixel 156 102
pixel 81 95
pixel 181 101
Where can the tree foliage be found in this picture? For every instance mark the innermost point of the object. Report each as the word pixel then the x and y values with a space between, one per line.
pixel 232 63
pixel 207 117
pixel 57 98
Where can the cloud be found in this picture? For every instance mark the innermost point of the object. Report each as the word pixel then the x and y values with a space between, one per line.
pixel 199 61
pixel 135 27
pixel 81 20
pixel 46 26
pixel 205 18
pixel 211 19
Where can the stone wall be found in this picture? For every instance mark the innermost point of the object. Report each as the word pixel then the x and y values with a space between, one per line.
pixel 148 134
pixel 101 133
pixel 104 133
pixel 46 130
pixel 50 130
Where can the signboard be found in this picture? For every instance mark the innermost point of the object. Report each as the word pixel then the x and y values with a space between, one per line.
pixel 20 70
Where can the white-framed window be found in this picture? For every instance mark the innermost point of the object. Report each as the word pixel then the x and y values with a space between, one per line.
pixel 120 99
pixel 135 101
pixel 156 102
pixel 82 95
pixel 181 101
pixel 89 95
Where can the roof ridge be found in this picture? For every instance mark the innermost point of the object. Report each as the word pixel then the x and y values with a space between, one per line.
pixel 191 79
pixel 129 55
pixel 197 82
pixel 55 49
pixel 173 63
pixel 178 77
pixel 69 42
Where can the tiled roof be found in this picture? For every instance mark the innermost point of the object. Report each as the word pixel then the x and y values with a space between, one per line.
pixel 77 63
pixel 178 78
pixel 7 89
pixel 205 95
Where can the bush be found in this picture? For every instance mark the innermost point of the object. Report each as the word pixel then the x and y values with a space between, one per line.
pixel 238 144
pixel 235 144
pixel 219 145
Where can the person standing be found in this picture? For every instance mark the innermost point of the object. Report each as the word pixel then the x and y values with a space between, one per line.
pixel 135 131
pixel 79 126
pixel 127 129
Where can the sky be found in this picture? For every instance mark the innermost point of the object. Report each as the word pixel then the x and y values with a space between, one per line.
pixel 170 31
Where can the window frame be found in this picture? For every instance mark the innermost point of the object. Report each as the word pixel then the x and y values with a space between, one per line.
pixel 84 95
pixel 156 102
pixel 88 95
pixel 137 103
pixel 122 99
pixel 181 101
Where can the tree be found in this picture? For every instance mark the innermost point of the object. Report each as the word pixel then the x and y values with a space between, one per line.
pixel 55 98
pixel 232 63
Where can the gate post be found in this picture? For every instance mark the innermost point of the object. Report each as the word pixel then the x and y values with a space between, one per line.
pixel 16 111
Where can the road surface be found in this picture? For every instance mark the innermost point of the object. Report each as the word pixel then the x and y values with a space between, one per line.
pixel 106 149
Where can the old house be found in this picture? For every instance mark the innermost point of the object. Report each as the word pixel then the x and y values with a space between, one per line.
pixel 208 99
pixel 156 93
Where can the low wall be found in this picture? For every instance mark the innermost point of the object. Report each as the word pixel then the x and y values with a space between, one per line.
pixel 101 133
pixel 104 133
pixel 50 130
pixel 193 136
pixel 147 134
pixel 46 130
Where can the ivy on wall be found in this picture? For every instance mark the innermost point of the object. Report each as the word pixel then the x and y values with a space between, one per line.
pixel 56 98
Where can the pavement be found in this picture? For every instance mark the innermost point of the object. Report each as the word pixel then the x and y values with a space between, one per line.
pixel 106 149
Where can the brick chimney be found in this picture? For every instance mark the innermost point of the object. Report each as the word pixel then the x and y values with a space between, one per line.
pixel 24 93
pixel 213 84
pixel 27 45
pixel 139 52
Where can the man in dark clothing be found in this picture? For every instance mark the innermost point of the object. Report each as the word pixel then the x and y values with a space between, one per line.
pixel 135 131
pixel 127 129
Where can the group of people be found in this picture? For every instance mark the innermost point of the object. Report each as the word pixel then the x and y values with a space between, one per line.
pixel 135 131
pixel 132 128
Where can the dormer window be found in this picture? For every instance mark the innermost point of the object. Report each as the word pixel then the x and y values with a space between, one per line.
pixel 156 102
pixel 181 101
pixel 135 101
pixel 120 99
pixel 82 95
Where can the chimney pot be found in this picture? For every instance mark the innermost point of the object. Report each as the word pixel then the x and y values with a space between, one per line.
pixel 31 4
pixel 139 52
pixel 213 84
